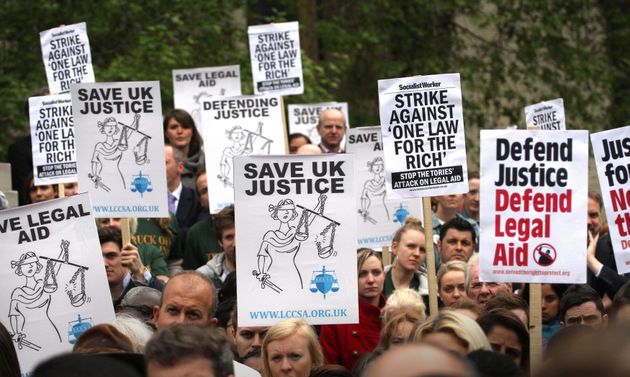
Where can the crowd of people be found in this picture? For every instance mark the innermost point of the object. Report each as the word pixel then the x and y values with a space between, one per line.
pixel 173 288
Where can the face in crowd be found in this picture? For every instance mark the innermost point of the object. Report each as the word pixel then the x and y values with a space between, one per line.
pixel 594 219
pixel 456 245
pixel 410 251
pixel 187 298
pixel 452 287
pixel 248 341
pixel 289 357
pixel 331 128
pixel 371 280
pixel 482 292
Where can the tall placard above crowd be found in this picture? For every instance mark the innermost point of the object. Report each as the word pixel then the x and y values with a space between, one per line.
pixel 276 61
pixel 120 153
pixel 303 118
pixel 422 125
pixel 611 150
pixel 238 126
pixel 546 115
pixel 194 85
pixel 378 216
pixel 52 135
pixel 534 194
pixel 54 284
pixel 67 56
pixel 298 213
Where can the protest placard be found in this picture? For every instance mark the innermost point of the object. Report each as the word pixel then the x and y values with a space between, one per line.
pixel 546 115
pixel 67 57
pixel 52 135
pixel 422 125
pixel 192 86
pixel 303 118
pixel 297 213
pixel 611 150
pixel 534 193
pixel 54 284
pixel 120 148
pixel 378 216
pixel 276 61
pixel 238 126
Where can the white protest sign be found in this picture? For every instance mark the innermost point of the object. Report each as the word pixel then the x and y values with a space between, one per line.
pixel 534 195
pixel 276 61
pixel 67 57
pixel 192 86
pixel 611 150
pixel 297 215
pixel 422 124
pixel 303 118
pixel 53 281
pixel 238 126
pixel 120 148
pixel 378 216
pixel 52 133
pixel 546 115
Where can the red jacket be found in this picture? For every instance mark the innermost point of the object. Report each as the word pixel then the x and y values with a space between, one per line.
pixel 345 344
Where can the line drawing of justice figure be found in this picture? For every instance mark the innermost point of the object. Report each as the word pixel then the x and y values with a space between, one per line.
pixel 243 142
pixel 109 153
pixel 374 188
pixel 280 247
pixel 30 303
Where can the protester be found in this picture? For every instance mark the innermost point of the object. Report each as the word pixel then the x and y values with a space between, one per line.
pixel 480 291
pixel 594 212
pixel 9 363
pixel 135 329
pixel 187 350
pixel 217 268
pixel 452 331
pixel 451 281
pixel 344 344
pixel 515 304
pixel 471 198
pixel 468 307
pixel 290 348
pixel 582 305
pixel 408 247
pixel 402 301
pixel 296 140
pixel 330 371
pixel 309 149
pixel 447 208
pixel 70 189
pixel 507 335
pixel 457 240
pixel 38 194
pixel 331 129
pixel 103 338
pixel 397 329
pixel 180 132
pixel 247 341
pixel 84 365
pixel 162 233
pixel 139 303
pixel 620 309
pixel 493 364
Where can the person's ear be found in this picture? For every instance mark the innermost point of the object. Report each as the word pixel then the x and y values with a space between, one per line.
pixel 156 314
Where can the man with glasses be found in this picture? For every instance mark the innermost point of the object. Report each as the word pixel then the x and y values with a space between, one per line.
pixel 479 291
pixel 331 129
pixel 139 303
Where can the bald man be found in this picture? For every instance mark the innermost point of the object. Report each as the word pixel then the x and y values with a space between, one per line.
pixel 331 129
pixel 418 360
pixel 188 297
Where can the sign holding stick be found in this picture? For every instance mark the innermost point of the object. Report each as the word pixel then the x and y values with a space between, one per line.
pixel 294 212
pixel 67 57
pixel 276 61
pixel 612 157
pixel 52 132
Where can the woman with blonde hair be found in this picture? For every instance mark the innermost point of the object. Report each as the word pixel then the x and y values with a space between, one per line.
pixel 402 301
pixel 290 347
pixel 451 280
pixel 452 331
pixel 397 329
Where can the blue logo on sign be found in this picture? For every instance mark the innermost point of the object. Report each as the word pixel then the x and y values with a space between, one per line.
pixel 78 327
pixel 141 184
pixel 324 281
pixel 401 214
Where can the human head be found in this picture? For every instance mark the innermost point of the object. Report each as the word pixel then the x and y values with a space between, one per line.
pixel 582 305
pixel 225 229
pixel 594 212
pixel 70 189
pixel 28 264
pixel 451 280
pixel 201 182
pixel 103 338
pixel 479 291
pixel 186 348
pixel 403 300
pixel 453 331
pixel 296 140
pixel 620 309
pixel 469 308
pixel 116 222
pixel 41 193
pixel 371 275
pixel 111 248
pixel 457 240
pixel 449 205
pixel 71 364
pixel 135 329
pixel 471 198
pixel 298 333
pixel 408 245
pixel 397 329
pixel 181 132
pixel 493 364
pixel 309 149
pixel 507 335
pixel 513 303
pixel 247 342
pixel 418 360
pixel 139 303
pixel 188 297
pixel 331 128
pixel 174 159
pixel 9 364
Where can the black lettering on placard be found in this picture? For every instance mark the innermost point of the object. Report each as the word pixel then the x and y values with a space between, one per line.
pixel 68 59
pixel 38 223
pixel 111 101
pixel 276 54
pixel 289 178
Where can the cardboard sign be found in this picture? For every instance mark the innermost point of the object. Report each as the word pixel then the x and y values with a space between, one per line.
pixel 297 214
pixel 67 57
pixel 54 284
pixel 303 118
pixel 238 126
pixel 120 148
pixel 612 157
pixel 192 86
pixel 422 124
pixel 546 115
pixel 534 194
pixel 52 133
pixel 378 216
pixel 276 61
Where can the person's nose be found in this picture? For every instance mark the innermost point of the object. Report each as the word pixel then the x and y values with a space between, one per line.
pixel 457 293
pixel 485 289
pixel 286 365
pixel 257 341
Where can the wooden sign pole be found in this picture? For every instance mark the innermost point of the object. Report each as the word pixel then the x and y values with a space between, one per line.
pixel 428 236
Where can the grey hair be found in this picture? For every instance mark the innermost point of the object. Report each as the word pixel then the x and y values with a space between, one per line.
pixel 474 260
pixel 130 297
pixel 138 332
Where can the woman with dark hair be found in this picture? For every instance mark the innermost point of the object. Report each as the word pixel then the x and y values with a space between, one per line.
pixel 507 335
pixel 37 194
pixel 550 295
pixel 181 133
pixel 9 364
